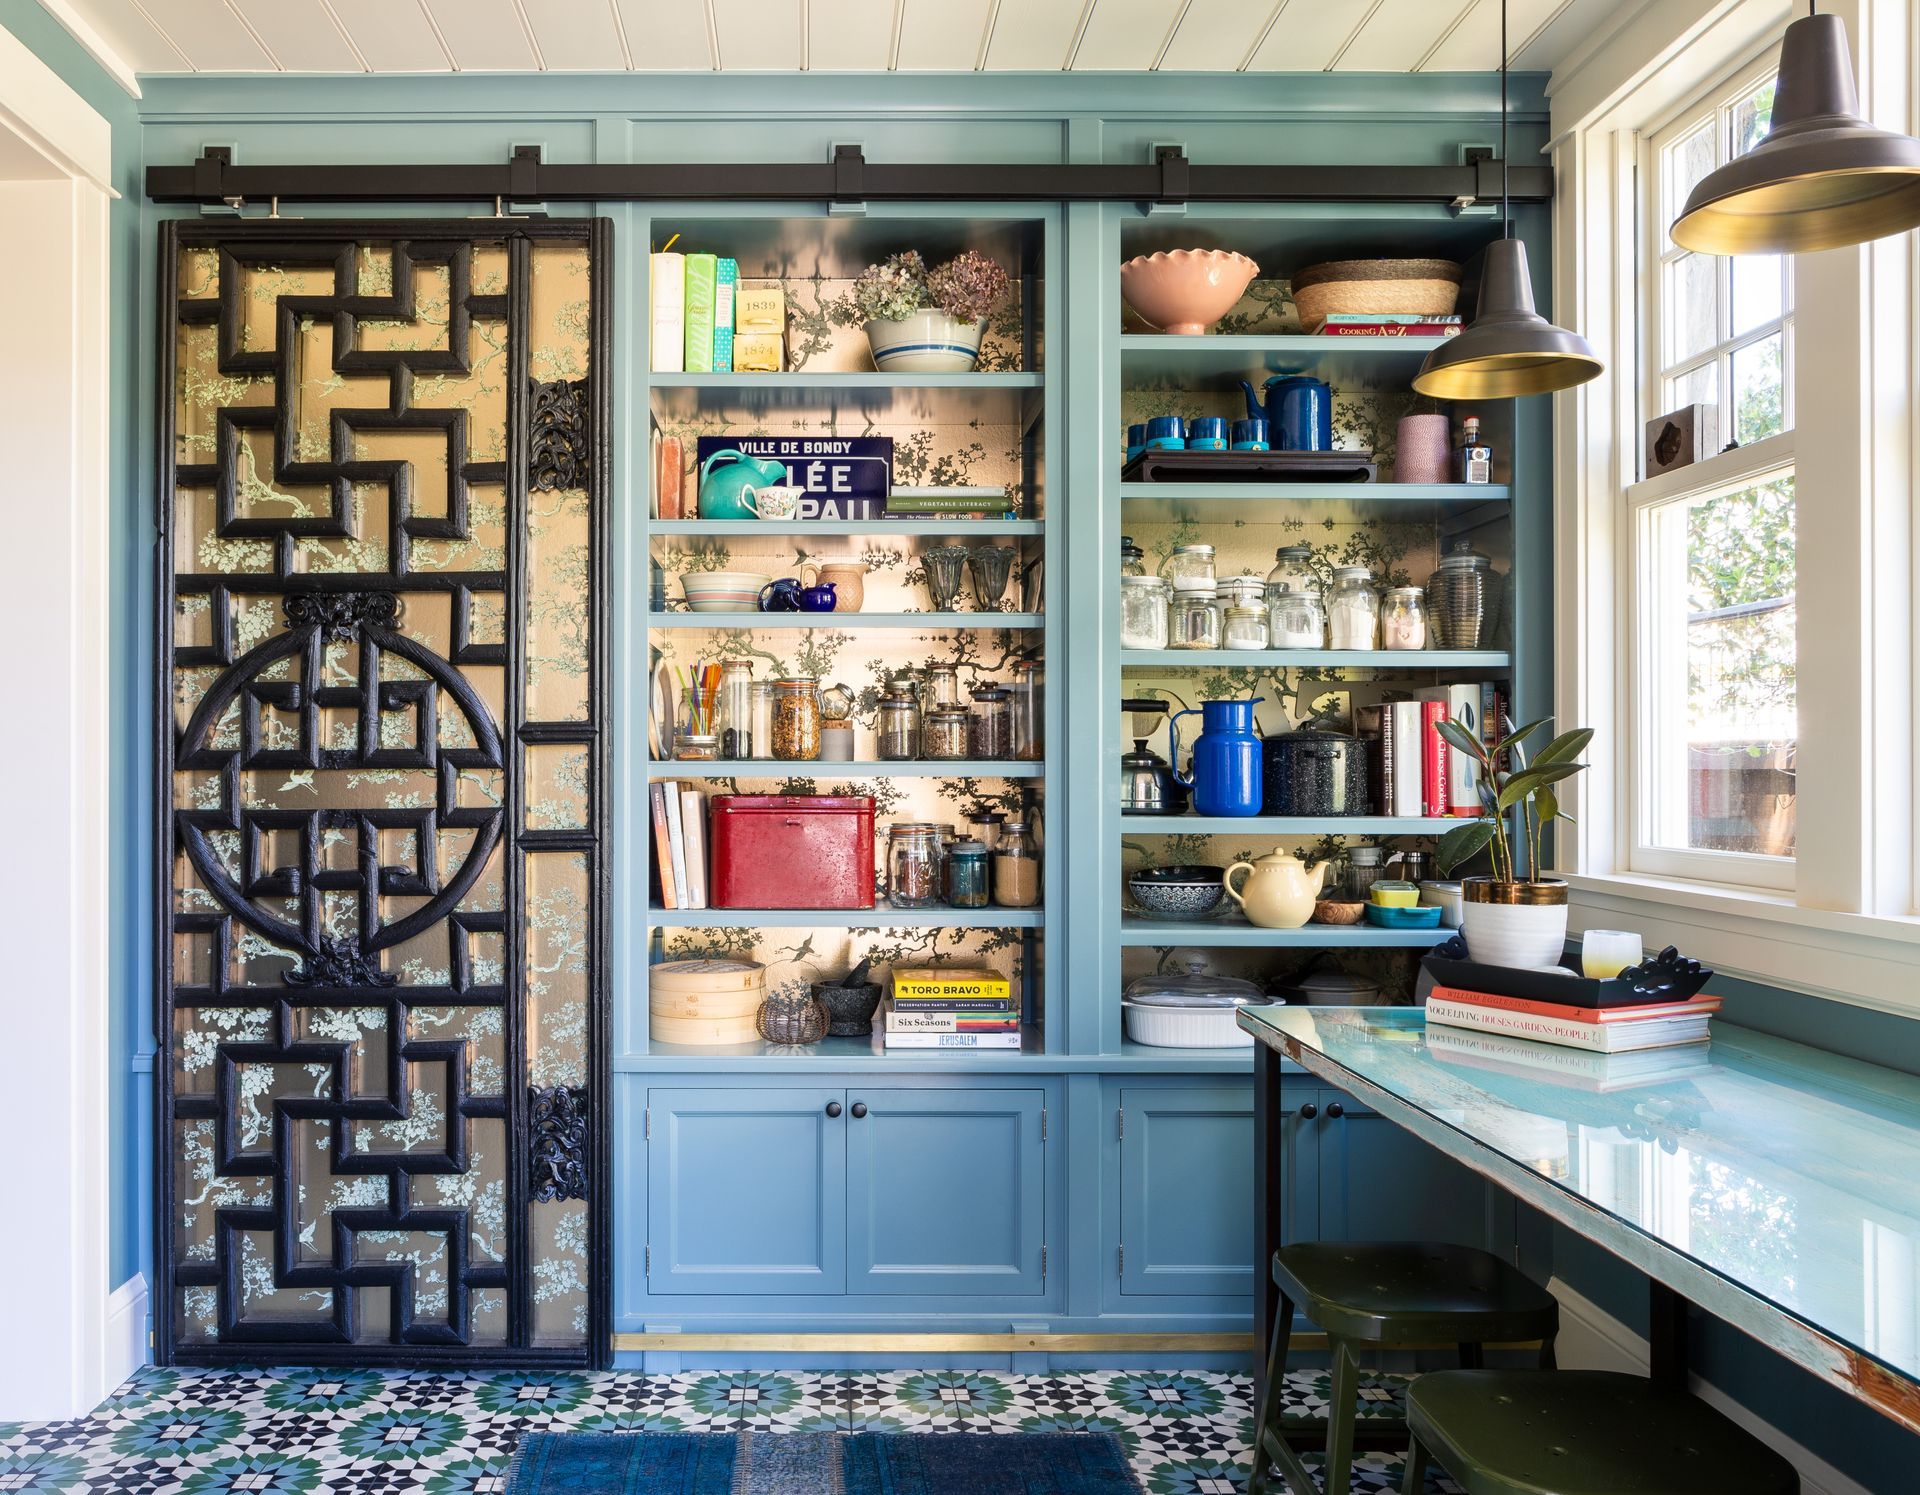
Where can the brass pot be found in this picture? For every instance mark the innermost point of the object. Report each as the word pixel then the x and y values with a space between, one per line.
pixel 1550 894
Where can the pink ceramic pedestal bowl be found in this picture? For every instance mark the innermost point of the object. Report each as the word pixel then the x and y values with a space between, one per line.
pixel 1185 290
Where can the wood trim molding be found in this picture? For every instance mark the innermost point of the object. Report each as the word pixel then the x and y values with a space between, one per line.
pixel 947 1344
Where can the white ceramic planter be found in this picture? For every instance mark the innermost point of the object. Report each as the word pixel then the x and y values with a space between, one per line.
pixel 1529 935
pixel 928 342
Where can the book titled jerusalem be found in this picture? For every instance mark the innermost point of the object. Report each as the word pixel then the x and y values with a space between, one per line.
pixel 954 1040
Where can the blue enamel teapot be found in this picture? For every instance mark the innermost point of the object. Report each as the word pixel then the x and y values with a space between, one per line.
pixel 1298 412
pixel 728 480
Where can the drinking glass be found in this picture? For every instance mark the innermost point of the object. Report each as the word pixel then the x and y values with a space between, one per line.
pixel 1608 952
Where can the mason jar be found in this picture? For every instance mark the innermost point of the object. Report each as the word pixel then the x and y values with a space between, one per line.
pixel 1143 612
pixel 1295 620
pixel 1189 568
pixel 1194 622
pixel 796 719
pixel 898 728
pixel 1353 610
pixel 1244 628
pixel 913 866
pixel 1016 868
pixel 1403 619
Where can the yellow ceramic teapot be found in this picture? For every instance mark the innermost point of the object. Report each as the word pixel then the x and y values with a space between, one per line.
pixel 1280 892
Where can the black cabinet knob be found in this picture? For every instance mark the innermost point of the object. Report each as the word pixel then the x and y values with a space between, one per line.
pixel 833 1108
pixel 1335 1110
pixel 1309 1111
pixel 859 1109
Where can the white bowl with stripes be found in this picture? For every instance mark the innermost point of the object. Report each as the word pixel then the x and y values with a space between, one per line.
pixel 928 342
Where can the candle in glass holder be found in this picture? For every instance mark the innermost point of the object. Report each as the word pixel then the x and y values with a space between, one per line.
pixel 1608 952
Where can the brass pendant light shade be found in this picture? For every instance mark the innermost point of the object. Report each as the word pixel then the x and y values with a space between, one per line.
pixel 1509 348
pixel 1822 179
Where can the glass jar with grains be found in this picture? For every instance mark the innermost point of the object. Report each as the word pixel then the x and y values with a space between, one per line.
pixel 1016 867
pixel 796 719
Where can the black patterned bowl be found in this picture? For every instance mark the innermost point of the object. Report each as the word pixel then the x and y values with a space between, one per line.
pixel 1178 892
pixel 850 1009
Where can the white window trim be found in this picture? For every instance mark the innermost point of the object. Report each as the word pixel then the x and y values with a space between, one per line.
pixel 1848 933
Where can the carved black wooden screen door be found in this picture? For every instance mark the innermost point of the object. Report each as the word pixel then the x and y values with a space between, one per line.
pixel 381 1074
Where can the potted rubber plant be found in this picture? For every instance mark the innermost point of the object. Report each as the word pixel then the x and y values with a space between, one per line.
pixel 1514 917
pixel 921 321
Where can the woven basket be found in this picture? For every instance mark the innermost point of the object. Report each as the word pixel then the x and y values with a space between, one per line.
pixel 1429 288
pixel 792 1017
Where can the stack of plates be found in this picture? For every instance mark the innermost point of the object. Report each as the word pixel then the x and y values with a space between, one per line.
pixel 705 1002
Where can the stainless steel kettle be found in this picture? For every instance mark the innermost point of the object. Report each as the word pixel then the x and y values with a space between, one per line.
pixel 1147 784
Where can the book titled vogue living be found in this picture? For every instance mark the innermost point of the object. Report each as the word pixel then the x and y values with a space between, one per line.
pixel 1578 1068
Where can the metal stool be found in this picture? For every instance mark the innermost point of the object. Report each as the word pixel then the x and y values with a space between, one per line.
pixel 1581 1432
pixel 1371 1294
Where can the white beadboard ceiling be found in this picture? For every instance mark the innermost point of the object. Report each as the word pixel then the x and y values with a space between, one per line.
pixel 521 36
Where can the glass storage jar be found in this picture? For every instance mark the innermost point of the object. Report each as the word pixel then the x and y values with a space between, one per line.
pixel 913 862
pixel 1194 622
pixel 1292 571
pixel 1366 865
pixel 1244 628
pixel 1189 568
pixel 986 825
pixel 733 709
pixel 1240 591
pixel 940 686
pixel 1353 610
pixel 1143 612
pixel 1295 620
pixel 898 729
pixel 796 719
pixel 967 875
pixel 1403 619
pixel 1028 709
pixel 1461 598
pixel 696 747
pixel 760 710
pixel 990 733
pixel 1016 868
pixel 1133 560
pixel 943 732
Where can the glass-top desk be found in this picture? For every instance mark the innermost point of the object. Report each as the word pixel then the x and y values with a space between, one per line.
pixel 1774 1186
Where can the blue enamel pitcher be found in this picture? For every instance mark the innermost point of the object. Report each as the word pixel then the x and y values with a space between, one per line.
pixel 1225 774
pixel 1299 412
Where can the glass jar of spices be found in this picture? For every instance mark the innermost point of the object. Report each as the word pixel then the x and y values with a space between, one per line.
pixel 990 734
pixel 898 730
pixel 1403 619
pixel 1194 621
pixel 1353 610
pixel 943 732
pixel 1027 706
pixel 913 861
pixel 796 719
pixel 1143 612
pixel 1244 628
pixel 1016 868
pixel 967 875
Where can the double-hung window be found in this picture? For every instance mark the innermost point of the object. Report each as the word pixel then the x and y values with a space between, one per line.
pixel 1712 544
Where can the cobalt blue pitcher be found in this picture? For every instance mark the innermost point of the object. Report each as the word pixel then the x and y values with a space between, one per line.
pixel 1225 774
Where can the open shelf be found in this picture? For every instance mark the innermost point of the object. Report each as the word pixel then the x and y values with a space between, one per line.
pixel 1288 825
pixel 1215 935
pixel 917 529
pixel 946 399
pixel 1348 363
pixel 879 917
pixel 814 768
pixel 1274 503
pixel 810 621
pixel 1388 661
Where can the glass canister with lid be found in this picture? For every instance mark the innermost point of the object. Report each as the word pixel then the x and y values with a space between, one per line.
pixel 967 876
pixel 1189 568
pixel 734 714
pixel 1292 571
pixel 1462 598
pixel 913 865
pixel 1133 560
pixel 990 733
pixel 1240 591
pixel 1016 868
pixel 1353 610
pixel 796 718
pixel 1194 621
pixel 940 686
pixel 897 731
pixel 1027 706
pixel 1403 619
pixel 1244 628
pixel 944 732
pixel 1143 612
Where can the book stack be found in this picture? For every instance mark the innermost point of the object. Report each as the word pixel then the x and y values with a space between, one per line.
pixel 705 321
pixel 1390 324
pixel 1596 1030
pixel 1578 1068
pixel 952 1007
pixel 679 843
pixel 1417 772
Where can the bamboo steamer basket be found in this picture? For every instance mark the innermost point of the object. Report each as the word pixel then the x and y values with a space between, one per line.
pixel 705 1001
pixel 1429 288
pixel 702 1032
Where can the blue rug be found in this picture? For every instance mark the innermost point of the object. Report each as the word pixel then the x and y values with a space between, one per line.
pixel 820 1464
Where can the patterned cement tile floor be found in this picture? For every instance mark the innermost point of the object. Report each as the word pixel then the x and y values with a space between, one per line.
pixel 293 1432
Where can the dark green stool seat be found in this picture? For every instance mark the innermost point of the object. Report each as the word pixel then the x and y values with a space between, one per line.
pixel 1586 1432
pixel 1367 1294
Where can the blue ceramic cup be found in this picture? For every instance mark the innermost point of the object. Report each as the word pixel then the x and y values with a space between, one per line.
pixel 1250 436
pixel 1207 433
pixel 1166 433
pixel 1136 439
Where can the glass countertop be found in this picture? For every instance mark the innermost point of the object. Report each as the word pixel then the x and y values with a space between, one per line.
pixel 1775 1185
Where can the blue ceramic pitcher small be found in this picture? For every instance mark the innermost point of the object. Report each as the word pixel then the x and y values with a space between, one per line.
pixel 1299 412
pixel 1225 775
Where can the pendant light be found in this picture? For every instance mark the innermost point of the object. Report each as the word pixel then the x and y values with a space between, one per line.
pixel 1509 348
pixel 1823 178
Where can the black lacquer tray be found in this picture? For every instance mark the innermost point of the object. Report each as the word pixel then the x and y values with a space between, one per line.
pixel 1666 977
pixel 1249 467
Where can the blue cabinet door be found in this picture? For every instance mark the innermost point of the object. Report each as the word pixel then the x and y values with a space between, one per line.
pixel 746 1191
pixel 1186 1211
pixel 946 1191
pixel 1379 1182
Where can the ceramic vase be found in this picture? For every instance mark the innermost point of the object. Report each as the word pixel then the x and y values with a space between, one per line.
pixel 928 342
pixel 1422 449
pixel 1520 924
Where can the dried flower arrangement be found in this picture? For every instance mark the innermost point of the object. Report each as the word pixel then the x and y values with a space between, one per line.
pixel 966 288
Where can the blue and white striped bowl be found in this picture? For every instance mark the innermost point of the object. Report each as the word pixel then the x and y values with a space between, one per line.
pixel 928 342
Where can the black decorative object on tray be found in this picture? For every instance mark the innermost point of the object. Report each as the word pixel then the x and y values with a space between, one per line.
pixel 1249 467
pixel 1666 977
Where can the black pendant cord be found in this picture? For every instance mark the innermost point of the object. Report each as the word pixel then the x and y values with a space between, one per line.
pixel 1506 205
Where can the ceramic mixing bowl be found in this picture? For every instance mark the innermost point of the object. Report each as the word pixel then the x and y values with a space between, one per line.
pixel 1177 892
pixel 1185 290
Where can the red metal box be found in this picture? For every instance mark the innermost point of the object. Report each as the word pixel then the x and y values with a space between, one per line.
pixel 792 850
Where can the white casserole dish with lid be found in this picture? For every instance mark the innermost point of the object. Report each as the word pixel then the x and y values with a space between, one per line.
pixel 1190 1009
